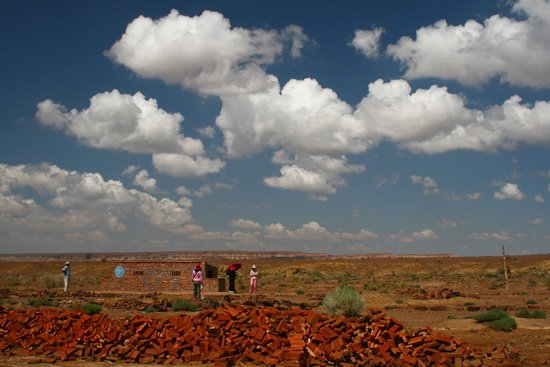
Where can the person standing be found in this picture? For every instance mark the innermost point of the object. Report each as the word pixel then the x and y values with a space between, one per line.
pixel 232 274
pixel 198 280
pixel 66 275
pixel 253 279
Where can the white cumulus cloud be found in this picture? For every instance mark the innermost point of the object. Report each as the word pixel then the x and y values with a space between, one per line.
pixel 204 52
pixel 486 236
pixel 509 191
pixel 473 196
pixel 134 124
pixel 367 41
pixel 245 223
pixel 146 182
pixel 517 51
pixel 208 132
pixel 425 234
pixel 428 184
pixel 121 121
pixel 75 199
pixel 537 221
pixel 185 166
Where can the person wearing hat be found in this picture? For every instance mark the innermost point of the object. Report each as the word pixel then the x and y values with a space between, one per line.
pixel 253 279
pixel 66 275
pixel 232 274
pixel 198 280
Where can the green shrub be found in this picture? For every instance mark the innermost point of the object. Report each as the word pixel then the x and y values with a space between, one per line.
pixel 91 308
pixel 300 291
pixel 39 302
pixel 538 314
pixel 526 314
pixel 466 304
pixel 344 301
pixel 150 309
pixel 184 305
pixel 531 302
pixel 491 315
pixel 505 323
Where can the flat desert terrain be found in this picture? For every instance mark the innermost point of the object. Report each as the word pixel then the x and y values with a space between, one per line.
pixel 442 292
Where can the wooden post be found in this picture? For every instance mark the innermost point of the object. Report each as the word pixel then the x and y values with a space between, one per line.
pixel 505 269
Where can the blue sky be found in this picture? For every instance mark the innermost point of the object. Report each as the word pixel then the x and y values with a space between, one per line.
pixel 349 127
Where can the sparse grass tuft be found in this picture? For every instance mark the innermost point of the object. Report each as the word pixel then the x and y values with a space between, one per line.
pixel 300 291
pixel 466 304
pixel 184 305
pixel 151 308
pixel 50 280
pixel 39 302
pixel 344 301
pixel 91 308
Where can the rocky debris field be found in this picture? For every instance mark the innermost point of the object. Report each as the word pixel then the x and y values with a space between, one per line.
pixel 225 335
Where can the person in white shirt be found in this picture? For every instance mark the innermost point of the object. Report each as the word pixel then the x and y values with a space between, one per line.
pixel 253 279
pixel 66 275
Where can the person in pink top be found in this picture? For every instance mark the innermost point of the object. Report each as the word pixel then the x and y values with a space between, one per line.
pixel 253 279
pixel 198 280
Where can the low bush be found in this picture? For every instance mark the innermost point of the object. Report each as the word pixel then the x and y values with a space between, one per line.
pixel 300 291
pixel 91 308
pixel 489 316
pixel 538 314
pixel 505 323
pixel 497 319
pixel 151 308
pixel 526 314
pixel 344 301
pixel 184 305
pixel 466 304
pixel 531 302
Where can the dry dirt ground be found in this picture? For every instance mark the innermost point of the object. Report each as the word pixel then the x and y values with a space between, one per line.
pixel 440 292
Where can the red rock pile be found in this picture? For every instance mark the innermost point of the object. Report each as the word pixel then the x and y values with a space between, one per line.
pixel 224 336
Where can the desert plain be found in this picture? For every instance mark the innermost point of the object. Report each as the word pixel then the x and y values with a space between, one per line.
pixel 443 292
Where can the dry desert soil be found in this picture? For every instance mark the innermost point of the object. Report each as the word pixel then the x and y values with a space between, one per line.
pixel 442 292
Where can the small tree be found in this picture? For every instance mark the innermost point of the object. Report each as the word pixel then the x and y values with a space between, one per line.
pixel 344 301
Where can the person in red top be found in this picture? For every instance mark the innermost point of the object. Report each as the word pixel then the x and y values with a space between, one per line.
pixel 232 274
pixel 198 280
